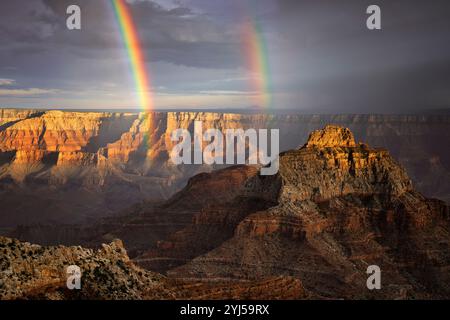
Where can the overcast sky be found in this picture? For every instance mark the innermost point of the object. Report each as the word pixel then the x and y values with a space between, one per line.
pixel 321 56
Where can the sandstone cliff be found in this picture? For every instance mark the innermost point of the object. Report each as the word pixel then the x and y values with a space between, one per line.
pixel 10 116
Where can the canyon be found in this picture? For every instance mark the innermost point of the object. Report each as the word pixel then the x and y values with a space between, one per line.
pixel 73 167
pixel 335 207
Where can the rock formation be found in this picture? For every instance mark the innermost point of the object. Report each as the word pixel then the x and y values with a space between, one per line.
pixel 334 208
pixel 332 136
pixel 33 272
pixel 11 116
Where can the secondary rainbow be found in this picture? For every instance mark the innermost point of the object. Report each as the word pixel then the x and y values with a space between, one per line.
pixel 256 55
pixel 136 55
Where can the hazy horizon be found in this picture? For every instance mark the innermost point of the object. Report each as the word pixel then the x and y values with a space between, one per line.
pixel 437 111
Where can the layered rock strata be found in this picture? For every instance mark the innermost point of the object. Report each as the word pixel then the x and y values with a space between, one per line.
pixel 111 160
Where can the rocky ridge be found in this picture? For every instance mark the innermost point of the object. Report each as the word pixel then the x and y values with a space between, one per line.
pixel 33 272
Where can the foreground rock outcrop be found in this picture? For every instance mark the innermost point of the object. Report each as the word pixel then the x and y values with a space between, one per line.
pixel 33 272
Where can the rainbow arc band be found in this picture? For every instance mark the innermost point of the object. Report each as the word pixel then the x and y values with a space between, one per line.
pixel 136 54
pixel 256 55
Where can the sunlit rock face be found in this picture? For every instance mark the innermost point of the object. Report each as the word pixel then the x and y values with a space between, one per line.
pixel 10 116
pixel 331 136
pixel 330 164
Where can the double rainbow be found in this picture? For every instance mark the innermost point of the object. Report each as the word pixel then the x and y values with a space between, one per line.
pixel 135 53
pixel 254 47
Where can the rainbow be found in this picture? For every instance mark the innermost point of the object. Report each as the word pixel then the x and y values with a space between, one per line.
pixel 135 53
pixel 254 47
pixel 256 57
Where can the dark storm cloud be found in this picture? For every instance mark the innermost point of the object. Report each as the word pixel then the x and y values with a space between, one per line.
pixel 173 35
